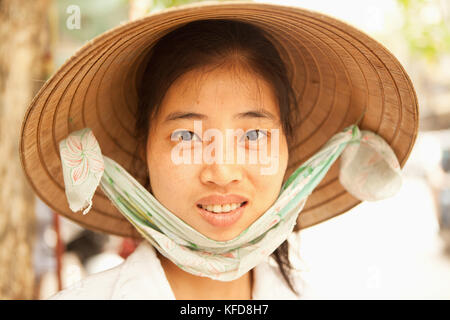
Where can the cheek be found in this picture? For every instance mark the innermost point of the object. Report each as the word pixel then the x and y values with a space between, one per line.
pixel 268 186
pixel 275 163
pixel 168 180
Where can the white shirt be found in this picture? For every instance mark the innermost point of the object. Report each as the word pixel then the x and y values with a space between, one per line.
pixel 141 277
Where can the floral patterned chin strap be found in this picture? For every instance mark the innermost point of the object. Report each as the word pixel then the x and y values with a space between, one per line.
pixel 369 171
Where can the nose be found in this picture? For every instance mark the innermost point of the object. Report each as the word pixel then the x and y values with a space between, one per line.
pixel 225 168
pixel 221 174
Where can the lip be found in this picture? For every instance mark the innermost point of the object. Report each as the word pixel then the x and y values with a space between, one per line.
pixel 222 219
pixel 219 199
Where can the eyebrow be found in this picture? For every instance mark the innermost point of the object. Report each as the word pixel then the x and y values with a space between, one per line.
pixel 256 113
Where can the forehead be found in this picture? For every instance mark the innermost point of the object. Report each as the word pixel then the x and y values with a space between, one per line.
pixel 221 92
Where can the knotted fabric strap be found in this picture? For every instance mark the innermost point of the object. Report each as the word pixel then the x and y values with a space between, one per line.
pixel 369 171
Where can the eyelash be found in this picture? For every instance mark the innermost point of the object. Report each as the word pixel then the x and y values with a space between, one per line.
pixel 264 132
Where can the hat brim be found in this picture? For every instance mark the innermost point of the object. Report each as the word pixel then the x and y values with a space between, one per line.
pixel 337 72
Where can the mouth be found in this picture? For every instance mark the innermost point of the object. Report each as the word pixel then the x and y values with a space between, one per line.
pixel 228 208
pixel 222 216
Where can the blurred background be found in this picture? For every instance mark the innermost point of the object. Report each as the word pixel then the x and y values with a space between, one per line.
pixel 393 249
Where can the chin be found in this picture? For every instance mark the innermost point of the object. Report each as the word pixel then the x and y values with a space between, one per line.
pixel 226 234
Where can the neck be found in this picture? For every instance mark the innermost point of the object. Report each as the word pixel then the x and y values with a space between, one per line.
pixel 187 286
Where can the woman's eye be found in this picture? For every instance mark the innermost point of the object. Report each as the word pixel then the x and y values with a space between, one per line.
pixel 255 135
pixel 183 135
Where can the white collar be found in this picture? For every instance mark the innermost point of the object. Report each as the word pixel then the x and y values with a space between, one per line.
pixel 142 277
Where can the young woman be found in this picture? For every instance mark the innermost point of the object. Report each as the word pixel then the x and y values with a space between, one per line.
pixel 226 75
pixel 208 91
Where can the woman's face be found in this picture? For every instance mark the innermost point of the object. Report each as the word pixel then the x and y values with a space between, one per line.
pixel 221 102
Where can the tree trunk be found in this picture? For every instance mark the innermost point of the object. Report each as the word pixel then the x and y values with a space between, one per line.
pixel 24 67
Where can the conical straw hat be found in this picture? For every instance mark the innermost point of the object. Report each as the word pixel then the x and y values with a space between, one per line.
pixel 337 71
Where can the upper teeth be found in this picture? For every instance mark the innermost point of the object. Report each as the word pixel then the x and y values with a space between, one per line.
pixel 221 208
